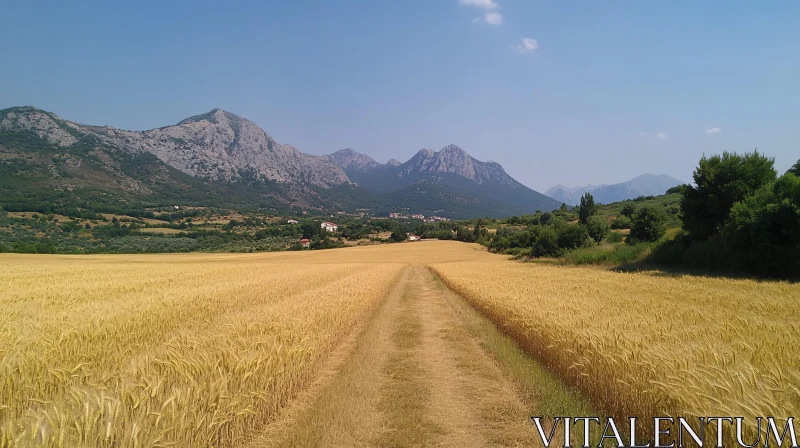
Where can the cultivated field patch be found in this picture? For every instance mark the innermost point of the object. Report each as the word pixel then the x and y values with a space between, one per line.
pixel 649 344
pixel 129 351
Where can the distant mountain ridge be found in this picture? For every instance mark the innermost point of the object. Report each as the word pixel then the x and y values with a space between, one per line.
pixel 215 159
pixel 349 159
pixel 450 171
pixel 644 185
pixel 217 145
pixel 224 159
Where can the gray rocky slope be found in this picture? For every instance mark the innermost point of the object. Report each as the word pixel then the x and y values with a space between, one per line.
pixel 349 159
pixel 217 146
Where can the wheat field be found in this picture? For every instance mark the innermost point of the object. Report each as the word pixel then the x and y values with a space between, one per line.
pixel 648 344
pixel 206 349
pixel 166 351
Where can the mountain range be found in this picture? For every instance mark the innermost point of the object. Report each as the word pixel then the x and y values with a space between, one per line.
pixel 221 159
pixel 644 185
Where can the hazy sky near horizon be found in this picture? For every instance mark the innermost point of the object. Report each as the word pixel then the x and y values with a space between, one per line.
pixel 559 92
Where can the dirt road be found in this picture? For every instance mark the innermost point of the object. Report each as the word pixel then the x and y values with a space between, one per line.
pixel 412 377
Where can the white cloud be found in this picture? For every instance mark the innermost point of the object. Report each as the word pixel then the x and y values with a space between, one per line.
pixel 494 18
pixel 485 4
pixel 526 45
pixel 642 134
pixel 714 131
pixel 662 135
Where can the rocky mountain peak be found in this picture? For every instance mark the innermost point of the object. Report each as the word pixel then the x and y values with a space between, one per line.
pixel 452 159
pixel 231 144
pixel 350 159
pixel 449 172
pixel 216 116
pixel 426 153
pixel 453 150
pixel 46 125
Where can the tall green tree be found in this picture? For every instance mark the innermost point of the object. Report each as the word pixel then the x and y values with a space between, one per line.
pixel 463 234
pixel 587 208
pixel 676 189
pixel 649 224
pixel 628 210
pixel 720 182
pixel 477 230
pixel 795 169
pixel 765 229
pixel 310 229
pixel 597 227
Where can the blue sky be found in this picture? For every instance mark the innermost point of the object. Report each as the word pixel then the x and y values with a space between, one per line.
pixel 598 93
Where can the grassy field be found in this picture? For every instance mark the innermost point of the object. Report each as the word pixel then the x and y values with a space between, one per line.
pixel 206 349
pixel 648 344
pixel 165 231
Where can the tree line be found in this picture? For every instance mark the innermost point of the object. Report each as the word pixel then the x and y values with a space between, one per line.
pixel 740 216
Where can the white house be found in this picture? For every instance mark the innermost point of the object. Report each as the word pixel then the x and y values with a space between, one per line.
pixel 291 221
pixel 329 226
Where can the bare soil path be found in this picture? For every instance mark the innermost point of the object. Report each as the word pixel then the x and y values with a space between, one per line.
pixel 412 377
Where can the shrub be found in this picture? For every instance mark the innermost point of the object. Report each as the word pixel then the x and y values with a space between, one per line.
pixel 615 237
pixel 715 253
pixel 572 236
pixel 648 224
pixel 669 252
pixel 597 226
pixel 519 252
pixel 621 222
pixel 545 242
pixel 589 255
pixel 608 254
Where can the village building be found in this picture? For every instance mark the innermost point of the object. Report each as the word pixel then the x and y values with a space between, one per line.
pixel 305 242
pixel 329 226
pixel 292 221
